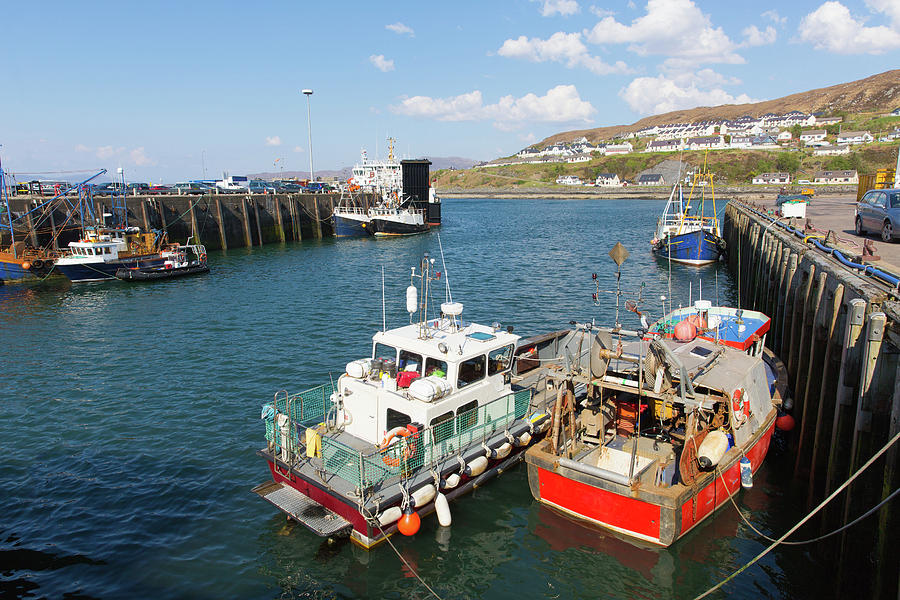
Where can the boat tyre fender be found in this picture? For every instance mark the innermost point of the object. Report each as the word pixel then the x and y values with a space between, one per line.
pixel 408 450
pixel 37 264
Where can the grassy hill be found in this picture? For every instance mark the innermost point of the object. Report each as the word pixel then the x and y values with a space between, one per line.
pixel 730 166
pixel 876 94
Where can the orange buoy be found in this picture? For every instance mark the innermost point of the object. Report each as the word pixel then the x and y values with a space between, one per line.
pixel 26 265
pixel 697 321
pixel 785 422
pixel 685 331
pixel 409 523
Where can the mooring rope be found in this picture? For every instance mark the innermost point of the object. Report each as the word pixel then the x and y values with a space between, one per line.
pixel 821 505
pixel 387 538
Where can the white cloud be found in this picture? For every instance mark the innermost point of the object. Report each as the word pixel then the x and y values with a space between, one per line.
pixel 560 47
pixel 299 149
pixel 528 138
pixel 81 148
pixel 773 16
pixel 560 104
pixel 561 7
pixel 400 29
pixel 601 12
pixel 832 27
pixel 677 29
pixel 656 95
pixel 754 37
pixel 273 140
pixel 105 152
pixel 140 158
pixel 381 63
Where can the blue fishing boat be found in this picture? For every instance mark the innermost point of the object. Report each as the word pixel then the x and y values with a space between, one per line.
pixel 691 239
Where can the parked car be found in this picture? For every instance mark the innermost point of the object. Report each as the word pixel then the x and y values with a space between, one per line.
pixel 108 189
pixel 192 188
pixel 879 210
pixel 159 190
pixel 258 186
pixel 136 189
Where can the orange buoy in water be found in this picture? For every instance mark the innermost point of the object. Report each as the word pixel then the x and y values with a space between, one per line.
pixel 409 523
pixel 26 265
pixel 785 422
pixel 685 331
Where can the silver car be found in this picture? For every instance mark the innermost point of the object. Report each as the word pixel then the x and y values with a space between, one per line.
pixel 879 210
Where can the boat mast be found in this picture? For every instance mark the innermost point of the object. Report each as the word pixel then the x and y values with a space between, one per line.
pixel 5 196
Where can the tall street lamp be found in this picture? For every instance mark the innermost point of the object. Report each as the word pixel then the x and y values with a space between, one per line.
pixel 308 92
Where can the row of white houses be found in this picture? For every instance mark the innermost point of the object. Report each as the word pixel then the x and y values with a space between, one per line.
pixel 822 177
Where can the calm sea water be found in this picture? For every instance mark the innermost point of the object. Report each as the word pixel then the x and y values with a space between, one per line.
pixel 130 416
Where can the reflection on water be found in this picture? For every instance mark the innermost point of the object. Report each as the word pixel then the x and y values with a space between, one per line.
pixel 130 420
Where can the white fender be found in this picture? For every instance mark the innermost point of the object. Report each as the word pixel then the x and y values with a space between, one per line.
pixel 524 439
pixel 389 516
pixel 423 495
pixel 477 466
pixel 712 449
pixel 442 508
pixel 452 481
pixel 504 450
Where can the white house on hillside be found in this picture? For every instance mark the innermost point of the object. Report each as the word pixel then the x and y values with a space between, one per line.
pixel 835 177
pixel 785 136
pixel 812 135
pixel 710 142
pixel 664 145
pixel 772 179
pixel 607 180
pixel 828 120
pixel 568 180
pixel 831 150
pixel 854 137
pixel 623 148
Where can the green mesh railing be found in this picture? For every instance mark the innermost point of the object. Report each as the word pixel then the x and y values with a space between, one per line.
pixel 429 446
pixel 304 409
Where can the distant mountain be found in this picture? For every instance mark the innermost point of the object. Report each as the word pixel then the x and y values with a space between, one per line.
pixel 878 93
pixel 437 163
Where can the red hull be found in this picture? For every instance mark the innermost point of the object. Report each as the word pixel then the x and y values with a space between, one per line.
pixel 657 522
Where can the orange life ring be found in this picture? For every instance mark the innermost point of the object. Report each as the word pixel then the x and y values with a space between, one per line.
pixel 408 451
pixel 202 258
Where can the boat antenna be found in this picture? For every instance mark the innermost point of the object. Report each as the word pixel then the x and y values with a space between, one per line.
pixel 444 266
pixel 383 314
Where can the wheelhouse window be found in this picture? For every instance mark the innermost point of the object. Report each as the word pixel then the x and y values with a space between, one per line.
pixel 395 418
pixel 435 367
pixel 470 371
pixel 383 351
pixel 467 416
pixel 499 359
pixel 409 361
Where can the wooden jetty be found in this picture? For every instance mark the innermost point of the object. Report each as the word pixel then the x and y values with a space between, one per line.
pixel 838 331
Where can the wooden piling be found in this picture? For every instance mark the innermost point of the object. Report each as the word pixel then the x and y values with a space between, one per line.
pixel 810 385
pixel 145 216
pixel 317 217
pixel 279 219
pixel 248 237
pixel 258 228
pixel 223 239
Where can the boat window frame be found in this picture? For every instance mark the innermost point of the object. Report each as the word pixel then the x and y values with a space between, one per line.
pixel 464 414
pixel 435 362
pixel 403 361
pixel 438 433
pixel 375 347
pixel 391 420
pixel 509 349
pixel 463 365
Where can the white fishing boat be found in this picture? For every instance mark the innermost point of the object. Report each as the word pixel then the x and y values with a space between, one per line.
pixel 426 416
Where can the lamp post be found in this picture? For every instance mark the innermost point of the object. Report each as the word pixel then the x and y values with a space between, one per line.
pixel 308 92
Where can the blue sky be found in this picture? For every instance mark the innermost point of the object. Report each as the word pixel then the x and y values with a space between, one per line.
pixel 166 89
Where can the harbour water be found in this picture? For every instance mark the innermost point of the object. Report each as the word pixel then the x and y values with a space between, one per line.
pixel 130 418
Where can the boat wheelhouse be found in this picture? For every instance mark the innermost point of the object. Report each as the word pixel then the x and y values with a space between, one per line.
pixel 104 250
pixel 429 414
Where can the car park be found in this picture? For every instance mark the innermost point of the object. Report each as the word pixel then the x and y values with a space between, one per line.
pixel 137 189
pixel 108 189
pixel 191 188
pixel 879 210
pixel 160 190
pixel 258 186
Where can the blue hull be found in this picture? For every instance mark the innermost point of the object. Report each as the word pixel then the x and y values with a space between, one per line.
pixel 694 248
pixel 101 271
pixel 345 227
pixel 14 273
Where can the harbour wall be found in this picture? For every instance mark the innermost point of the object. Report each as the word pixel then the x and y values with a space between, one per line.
pixel 221 221
pixel 838 333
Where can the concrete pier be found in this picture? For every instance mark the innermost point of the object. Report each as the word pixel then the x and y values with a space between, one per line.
pixel 838 332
